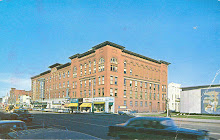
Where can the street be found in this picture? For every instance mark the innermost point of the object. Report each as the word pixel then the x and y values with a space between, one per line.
pixel 97 124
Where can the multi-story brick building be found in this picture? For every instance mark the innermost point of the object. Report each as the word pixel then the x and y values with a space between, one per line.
pixel 112 76
pixel 15 95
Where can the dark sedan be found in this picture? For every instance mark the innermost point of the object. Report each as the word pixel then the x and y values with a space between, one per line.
pixel 154 128
pixel 22 114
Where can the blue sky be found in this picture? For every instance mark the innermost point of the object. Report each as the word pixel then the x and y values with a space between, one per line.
pixel 37 33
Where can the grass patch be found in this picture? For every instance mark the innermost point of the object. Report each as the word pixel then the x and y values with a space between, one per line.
pixel 174 115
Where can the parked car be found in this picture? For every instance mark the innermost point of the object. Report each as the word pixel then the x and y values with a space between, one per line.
pixel 48 110
pixel 7 126
pixel 154 128
pixel 126 112
pixel 21 114
pixel 63 111
pixel 49 133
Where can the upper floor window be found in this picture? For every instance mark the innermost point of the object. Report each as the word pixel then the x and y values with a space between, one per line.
pixel 130 71
pixel 80 69
pixel 68 74
pixel 101 64
pixel 63 74
pixel 74 72
pixel 94 67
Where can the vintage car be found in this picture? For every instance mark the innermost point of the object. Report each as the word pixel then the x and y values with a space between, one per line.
pixel 126 112
pixel 21 114
pixel 154 128
pixel 49 133
pixel 7 126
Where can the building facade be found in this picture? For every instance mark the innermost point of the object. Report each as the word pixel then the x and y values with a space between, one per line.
pixel 112 76
pixel 14 96
pixel 174 96
pixel 200 99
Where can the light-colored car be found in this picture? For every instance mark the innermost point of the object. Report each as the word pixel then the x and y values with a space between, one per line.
pixel 63 111
pixel 48 110
pixel 126 112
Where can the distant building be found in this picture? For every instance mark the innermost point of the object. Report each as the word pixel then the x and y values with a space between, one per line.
pixel 25 101
pixel 108 75
pixel 200 99
pixel 15 95
pixel 174 96
pixel 5 100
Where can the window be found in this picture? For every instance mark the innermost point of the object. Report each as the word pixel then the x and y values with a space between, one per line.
pixel 136 83
pixel 99 80
pixel 74 72
pixel 124 82
pixel 101 64
pixel 158 87
pixel 68 74
pixel 89 82
pixel 111 91
pixel 125 103
pixel 103 92
pixel 63 74
pixel 93 91
pixel 125 63
pixel 94 66
pixel 150 96
pixel 73 85
pixel 80 93
pixel 125 71
pixel 84 93
pixel 59 95
pixel 85 83
pixel 154 96
pixel 94 81
pixel 81 84
pixel 85 68
pixel 136 103
pixel 154 87
pixel 150 85
pixel 63 94
pixel 68 84
pixel 116 80
pixel 114 64
pixel 116 92
pixel 158 96
pixel 63 84
pixel 103 79
pixel 130 71
pixel 59 85
pixel 80 69
pixel 136 95
pixel 89 93
pixel 59 76
pixel 89 67
pixel 130 94
pixel 145 84
pixel 124 93
pixel 141 103
pixel 99 92
pixel 145 103
pixel 111 79
pixel 141 95
pixel 130 83
pixel 131 103
pixel 145 95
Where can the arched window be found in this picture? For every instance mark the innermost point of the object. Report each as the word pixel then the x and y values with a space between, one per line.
pixel 114 64
pixel 101 64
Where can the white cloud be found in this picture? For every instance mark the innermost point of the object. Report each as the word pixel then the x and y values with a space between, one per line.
pixel 8 81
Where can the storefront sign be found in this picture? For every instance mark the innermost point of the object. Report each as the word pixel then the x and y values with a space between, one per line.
pixel 98 99
pixel 122 107
pixel 74 100
pixel 87 100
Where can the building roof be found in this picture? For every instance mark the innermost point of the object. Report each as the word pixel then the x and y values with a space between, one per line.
pixel 119 47
pixel 43 73
pixel 198 87
pixel 54 65
pixel 64 65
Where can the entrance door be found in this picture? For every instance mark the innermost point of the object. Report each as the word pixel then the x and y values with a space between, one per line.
pixel 158 107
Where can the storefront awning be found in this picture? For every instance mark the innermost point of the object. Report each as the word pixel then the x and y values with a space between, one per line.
pixel 86 105
pixel 73 105
pixel 66 105
pixel 99 102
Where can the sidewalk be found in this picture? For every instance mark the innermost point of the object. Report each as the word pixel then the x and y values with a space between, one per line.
pixel 196 120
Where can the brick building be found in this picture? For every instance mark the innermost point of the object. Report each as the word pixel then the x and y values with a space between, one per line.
pixel 109 76
pixel 15 95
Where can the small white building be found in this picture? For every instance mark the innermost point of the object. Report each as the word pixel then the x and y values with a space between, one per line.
pixel 200 99
pixel 25 100
pixel 174 96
